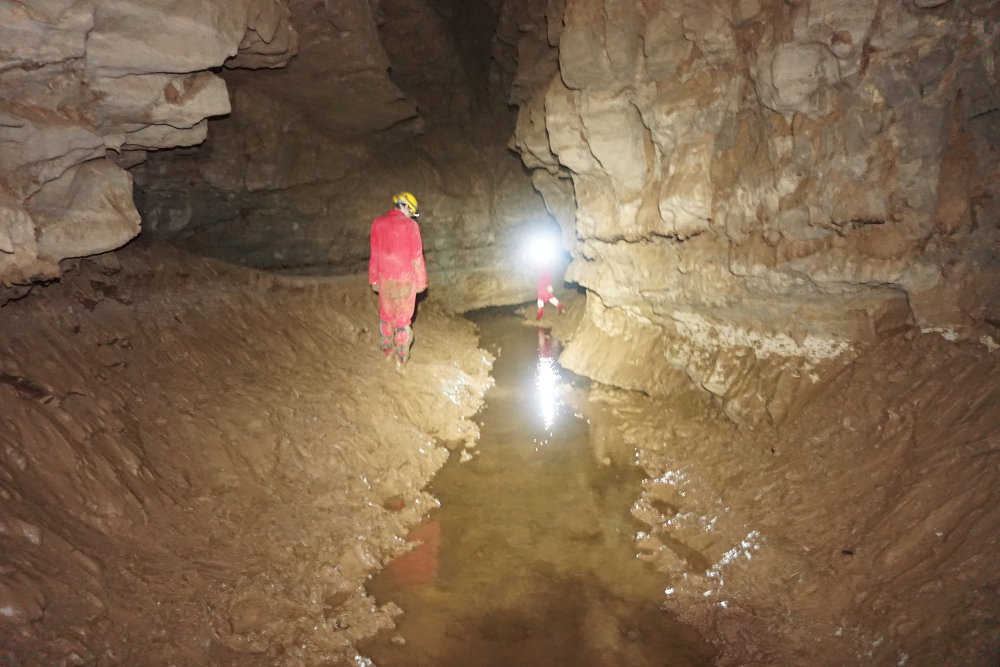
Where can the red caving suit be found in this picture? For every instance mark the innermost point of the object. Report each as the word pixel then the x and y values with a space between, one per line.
pixel 543 287
pixel 396 266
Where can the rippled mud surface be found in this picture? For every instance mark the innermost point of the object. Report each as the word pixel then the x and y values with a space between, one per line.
pixel 195 462
pixel 530 560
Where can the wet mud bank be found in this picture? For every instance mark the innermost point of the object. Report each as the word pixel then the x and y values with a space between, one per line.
pixel 201 464
pixel 862 530
pixel 857 530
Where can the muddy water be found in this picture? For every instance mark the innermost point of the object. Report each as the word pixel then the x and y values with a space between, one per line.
pixel 529 560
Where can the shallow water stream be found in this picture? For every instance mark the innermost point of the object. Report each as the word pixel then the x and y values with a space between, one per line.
pixel 530 558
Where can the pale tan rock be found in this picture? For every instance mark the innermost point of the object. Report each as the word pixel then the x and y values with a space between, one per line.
pixel 19 262
pixel 747 9
pixel 83 77
pixel 664 45
pixel 565 128
pixel 844 27
pixel 583 61
pixel 599 215
pixel 165 136
pixel 792 77
pixel 623 25
pixel 557 193
pixel 42 144
pixel 617 139
pixel 85 211
pixel 531 139
pixel 270 40
pixel 707 26
pixel 15 228
pixel 37 32
pixel 163 36
pixel 181 101
pixel 685 201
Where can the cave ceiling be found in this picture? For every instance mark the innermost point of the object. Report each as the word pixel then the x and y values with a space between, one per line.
pixel 339 83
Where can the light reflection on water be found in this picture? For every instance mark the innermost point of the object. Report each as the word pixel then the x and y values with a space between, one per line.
pixel 530 559
pixel 546 378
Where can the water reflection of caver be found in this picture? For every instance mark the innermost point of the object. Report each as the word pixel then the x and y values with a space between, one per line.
pixel 546 375
pixel 539 566
pixel 418 567
pixel 544 343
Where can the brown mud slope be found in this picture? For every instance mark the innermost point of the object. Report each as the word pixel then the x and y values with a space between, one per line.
pixel 200 464
pixel 863 531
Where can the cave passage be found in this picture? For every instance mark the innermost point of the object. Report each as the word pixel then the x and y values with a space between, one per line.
pixel 779 234
pixel 530 559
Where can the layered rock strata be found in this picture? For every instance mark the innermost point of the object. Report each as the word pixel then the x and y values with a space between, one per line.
pixel 86 89
pixel 752 190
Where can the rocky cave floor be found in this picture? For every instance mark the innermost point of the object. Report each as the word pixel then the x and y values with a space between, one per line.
pixel 201 464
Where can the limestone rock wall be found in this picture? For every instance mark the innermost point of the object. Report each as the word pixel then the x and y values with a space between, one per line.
pixel 477 207
pixel 753 189
pixel 383 97
pixel 86 88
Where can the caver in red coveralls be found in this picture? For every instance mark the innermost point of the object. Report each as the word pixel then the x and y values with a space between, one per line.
pixel 544 292
pixel 396 270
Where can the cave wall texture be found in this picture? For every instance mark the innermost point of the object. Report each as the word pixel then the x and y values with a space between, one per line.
pixel 753 193
pixel 86 89
pixel 749 190
pixel 383 97
pixel 264 133
pixel 752 190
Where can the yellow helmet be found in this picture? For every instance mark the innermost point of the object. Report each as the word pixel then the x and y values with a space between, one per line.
pixel 407 198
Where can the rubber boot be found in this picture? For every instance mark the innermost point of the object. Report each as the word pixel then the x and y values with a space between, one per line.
pixel 385 331
pixel 403 340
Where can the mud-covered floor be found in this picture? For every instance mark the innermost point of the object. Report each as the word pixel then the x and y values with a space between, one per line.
pixel 864 530
pixel 201 464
